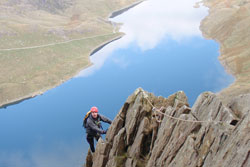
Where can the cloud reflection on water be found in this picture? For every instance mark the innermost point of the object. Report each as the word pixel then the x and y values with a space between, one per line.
pixel 148 23
pixel 153 20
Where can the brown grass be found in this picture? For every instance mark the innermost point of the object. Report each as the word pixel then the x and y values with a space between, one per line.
pixel 28 72
pixel 228 23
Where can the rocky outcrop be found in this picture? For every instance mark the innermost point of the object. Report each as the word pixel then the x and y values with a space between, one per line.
pixel 175 135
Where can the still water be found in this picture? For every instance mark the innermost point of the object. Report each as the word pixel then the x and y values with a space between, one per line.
pixel 163 52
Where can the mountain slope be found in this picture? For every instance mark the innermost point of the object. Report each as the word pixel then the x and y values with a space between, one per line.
pixel 208 134
pixel 46 42
pixel 228 23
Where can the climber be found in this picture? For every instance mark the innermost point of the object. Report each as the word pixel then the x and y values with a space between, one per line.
pixel 92 123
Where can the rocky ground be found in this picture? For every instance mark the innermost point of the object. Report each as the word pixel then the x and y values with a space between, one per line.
pixel 209 134
pixel 215 132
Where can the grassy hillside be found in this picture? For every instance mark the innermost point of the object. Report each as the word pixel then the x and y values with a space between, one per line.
pixel 45 42
pixel 228 23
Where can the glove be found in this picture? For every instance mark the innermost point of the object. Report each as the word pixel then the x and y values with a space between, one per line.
pixel 104 132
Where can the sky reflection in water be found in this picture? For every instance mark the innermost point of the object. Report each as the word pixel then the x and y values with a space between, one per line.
pixel 147 24
pixel 163 51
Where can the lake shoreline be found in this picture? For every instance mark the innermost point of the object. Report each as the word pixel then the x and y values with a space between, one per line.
pixel 232 55
pixel 94 50
pixel 98 48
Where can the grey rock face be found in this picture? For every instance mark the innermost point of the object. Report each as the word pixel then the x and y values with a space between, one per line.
pixel 140 136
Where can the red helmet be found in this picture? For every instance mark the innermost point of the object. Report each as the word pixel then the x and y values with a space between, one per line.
pixel 94 109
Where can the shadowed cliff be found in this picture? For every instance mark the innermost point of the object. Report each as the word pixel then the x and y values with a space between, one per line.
pixel 173 134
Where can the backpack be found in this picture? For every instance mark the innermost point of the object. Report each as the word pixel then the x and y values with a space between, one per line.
pixel 85 119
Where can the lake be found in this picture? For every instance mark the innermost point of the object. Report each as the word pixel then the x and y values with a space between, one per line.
pixel 162 52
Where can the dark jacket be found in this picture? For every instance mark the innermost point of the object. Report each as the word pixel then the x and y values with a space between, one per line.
pixel 93 126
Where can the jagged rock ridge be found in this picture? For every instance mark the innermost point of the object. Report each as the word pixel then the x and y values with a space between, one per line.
pixel 140 137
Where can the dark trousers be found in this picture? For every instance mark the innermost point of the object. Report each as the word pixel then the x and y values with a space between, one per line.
pixel 90 139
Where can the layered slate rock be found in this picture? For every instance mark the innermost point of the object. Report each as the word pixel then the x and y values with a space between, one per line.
pixel 212 135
